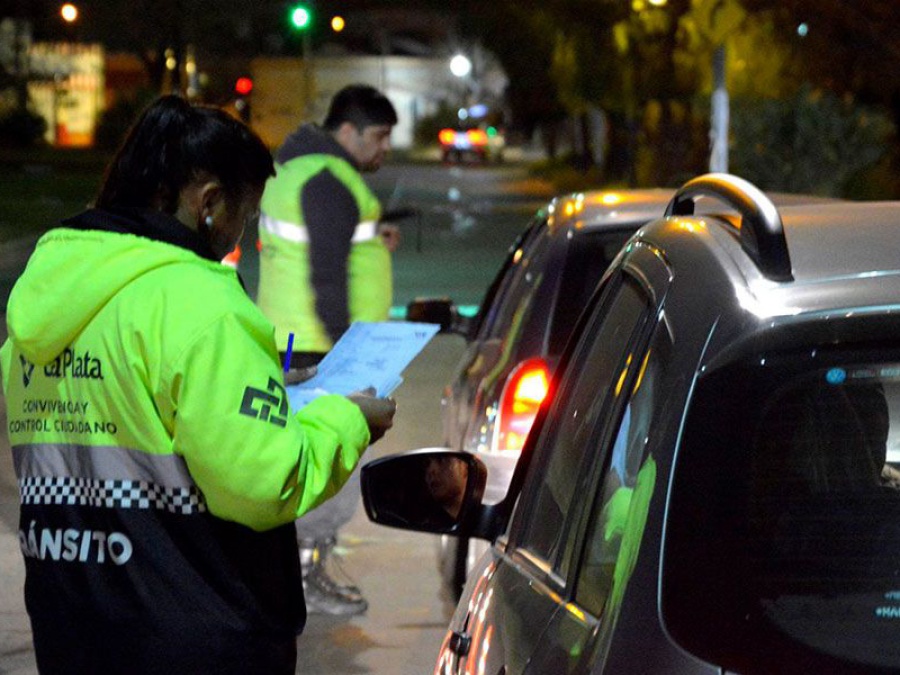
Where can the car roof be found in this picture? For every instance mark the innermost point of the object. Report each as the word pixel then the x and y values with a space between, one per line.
pixel 607 209
pixel 839 244
pixel 847 238
pixel 843 256
pixel 613 209
pixel 830 266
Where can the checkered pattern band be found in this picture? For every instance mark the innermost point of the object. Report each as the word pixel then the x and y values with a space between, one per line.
pixel 111 494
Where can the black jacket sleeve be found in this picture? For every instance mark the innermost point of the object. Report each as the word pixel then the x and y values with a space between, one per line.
pixel 331 216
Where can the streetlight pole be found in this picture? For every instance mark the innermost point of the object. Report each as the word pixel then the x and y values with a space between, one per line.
pixel 461 67
pixel 718 19
pixel 69 13
pixel 718 132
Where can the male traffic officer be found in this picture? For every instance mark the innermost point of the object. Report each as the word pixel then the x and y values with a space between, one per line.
pixel 325 263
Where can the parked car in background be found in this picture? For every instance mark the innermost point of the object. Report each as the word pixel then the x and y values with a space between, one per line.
pixel 711 485
pixel 472 144
pixel 514 343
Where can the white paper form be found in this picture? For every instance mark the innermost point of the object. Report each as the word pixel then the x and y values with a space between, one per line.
pixel 367 355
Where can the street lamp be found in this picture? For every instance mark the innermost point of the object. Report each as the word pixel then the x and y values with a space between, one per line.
pixel 460 65
pixel 69 12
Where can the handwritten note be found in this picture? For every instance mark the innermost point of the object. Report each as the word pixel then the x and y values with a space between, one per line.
pixel 367 355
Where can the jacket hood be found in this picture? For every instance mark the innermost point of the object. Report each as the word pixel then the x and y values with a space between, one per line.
pixel 311 139
pixel 71 275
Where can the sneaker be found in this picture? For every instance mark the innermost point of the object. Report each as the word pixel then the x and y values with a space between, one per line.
pixel 332 562
pixel 325 596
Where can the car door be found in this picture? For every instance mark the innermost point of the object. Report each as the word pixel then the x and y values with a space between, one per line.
pixel 602 540
pixel 505 318
pixel 605 544
pixel 528 584
pixel 557 276
pixel 531 332
pixel 547 284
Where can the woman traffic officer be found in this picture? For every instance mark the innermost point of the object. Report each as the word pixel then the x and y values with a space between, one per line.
pixel 160 468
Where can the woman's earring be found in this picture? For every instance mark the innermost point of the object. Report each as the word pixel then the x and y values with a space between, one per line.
pixel 208 222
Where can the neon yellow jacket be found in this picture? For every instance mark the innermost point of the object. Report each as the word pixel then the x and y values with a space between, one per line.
pixel 173 352
pixel 151 433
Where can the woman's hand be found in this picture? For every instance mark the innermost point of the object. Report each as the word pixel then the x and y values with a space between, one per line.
pixel 379 412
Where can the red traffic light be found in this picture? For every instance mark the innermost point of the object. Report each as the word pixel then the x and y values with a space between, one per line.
pixel 243 86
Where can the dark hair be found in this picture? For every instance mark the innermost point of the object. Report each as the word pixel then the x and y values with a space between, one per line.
pixel 170 144
pixel 362 106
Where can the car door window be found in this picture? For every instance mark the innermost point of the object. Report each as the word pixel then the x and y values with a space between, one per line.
pixel 619 512
pixel 596 370
pixel 528 273
pixel 493 300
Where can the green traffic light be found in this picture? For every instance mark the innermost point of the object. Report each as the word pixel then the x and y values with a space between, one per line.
pixel 301 17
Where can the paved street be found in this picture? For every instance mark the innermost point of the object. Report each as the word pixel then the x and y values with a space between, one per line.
pixel 469 217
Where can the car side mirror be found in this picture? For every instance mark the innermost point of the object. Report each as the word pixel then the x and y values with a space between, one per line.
pixel 441 311
pixel 431 490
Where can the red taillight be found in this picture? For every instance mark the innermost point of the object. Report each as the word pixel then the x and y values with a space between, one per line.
pixel 523 393
pixel 477 137
pixel 446 136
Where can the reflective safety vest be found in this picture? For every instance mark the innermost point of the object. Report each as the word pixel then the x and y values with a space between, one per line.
pixel 286 295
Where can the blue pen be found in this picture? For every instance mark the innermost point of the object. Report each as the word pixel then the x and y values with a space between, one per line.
pixel 287 353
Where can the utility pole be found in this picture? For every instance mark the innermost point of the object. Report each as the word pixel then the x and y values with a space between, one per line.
pixel 302 19
pixel 718 131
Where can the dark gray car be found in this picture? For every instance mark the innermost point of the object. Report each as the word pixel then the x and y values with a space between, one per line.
pixel 711 485
pixel 524 322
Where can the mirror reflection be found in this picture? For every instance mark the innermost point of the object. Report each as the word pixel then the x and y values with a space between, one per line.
pixel 428 491
pixel 446 478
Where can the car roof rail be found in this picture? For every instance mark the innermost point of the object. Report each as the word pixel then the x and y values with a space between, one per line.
pixel 761 231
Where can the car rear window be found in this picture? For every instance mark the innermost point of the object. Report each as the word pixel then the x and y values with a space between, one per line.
pixel 783 530
pixel 587 258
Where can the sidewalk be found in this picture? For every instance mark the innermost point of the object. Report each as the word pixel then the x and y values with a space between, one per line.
pixel 16 656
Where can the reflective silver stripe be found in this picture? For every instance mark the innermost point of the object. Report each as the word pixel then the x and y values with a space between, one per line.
pixel 100 463
pixel 105 476
pixel 299 235
pixel 366 230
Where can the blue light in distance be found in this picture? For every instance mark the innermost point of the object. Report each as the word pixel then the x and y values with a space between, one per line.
pixel 836 376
